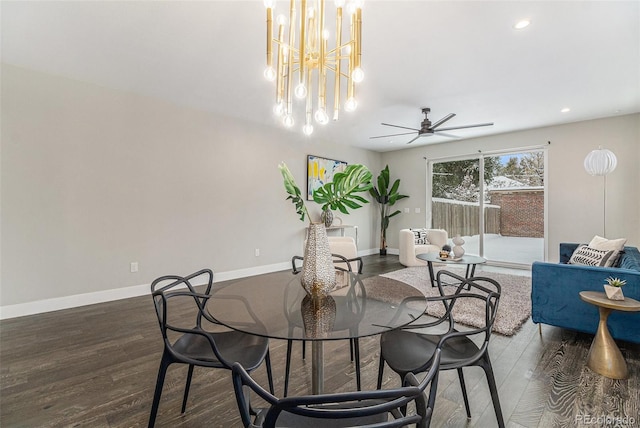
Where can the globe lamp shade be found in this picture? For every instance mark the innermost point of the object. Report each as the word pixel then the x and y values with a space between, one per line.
pixel 600 162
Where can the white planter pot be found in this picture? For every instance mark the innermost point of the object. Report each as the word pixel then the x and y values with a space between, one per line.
pixel 613 293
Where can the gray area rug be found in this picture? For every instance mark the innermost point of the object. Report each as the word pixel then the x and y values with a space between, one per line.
pixel 513 310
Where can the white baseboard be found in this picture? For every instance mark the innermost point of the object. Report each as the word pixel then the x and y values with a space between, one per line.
pixel 66 302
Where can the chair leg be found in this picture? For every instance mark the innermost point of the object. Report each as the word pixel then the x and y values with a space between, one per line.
pixel 267 360
pixel 162 371
pixel 380 371
pixel 486 365
pixel 186 388
pixel 287 367
pixel 464 392
pixel 351 343
pixel 356 349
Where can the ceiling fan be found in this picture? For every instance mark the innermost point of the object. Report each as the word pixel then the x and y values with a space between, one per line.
pixel 428 129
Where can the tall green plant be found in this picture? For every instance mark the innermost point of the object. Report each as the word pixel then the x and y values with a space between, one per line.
pixel 386 196
pixel 340 194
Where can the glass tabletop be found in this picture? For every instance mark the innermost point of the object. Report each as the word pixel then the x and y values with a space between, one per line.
pixel 466 259
pixel 276 306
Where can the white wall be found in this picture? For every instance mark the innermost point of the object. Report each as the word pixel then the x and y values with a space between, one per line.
pixel 575 199
pixel 94 179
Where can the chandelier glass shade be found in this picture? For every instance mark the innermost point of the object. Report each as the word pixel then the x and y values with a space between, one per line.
pixel 303 53
pixel 600 162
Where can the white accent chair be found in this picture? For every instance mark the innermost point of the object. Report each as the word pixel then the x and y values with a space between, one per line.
pixel 409 250
pixel 345 246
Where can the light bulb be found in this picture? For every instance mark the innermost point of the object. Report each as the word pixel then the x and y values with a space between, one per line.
pixel 270 74
pixel 347 50
pixel 281 19
pixel 339 3
pixel 358 3
pixel 301 90
pixel 325 34
pixel 307 129
pixel 321 116
pixel 311 12
pixel 278 109
pixel 357 75
pixel 350 104
pixel 288 121
pixel 269 4
pixel 351 9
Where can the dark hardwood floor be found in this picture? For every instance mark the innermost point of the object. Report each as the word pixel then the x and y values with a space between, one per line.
pixel 96 366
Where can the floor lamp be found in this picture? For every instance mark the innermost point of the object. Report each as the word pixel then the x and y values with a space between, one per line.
pixel 601 162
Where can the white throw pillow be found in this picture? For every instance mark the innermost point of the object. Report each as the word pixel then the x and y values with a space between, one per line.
pixel 600 243
pixel 588 256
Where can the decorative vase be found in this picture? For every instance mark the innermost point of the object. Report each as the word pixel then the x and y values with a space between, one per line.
pixel 613 293
pixel 327 217
pixel 318 276
pixel 318 315
pixel 458 251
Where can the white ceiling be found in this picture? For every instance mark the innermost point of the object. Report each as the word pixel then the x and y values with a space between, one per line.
pixel 453 56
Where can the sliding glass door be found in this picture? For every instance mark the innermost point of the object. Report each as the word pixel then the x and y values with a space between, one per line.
pixel 500 217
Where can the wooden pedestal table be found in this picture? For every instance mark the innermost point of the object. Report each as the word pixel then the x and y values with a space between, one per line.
pixel 604 356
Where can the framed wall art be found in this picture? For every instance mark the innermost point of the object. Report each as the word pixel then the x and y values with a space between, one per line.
pixel 320 171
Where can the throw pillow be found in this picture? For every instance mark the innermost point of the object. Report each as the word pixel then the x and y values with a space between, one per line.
pixel 585 255
pixel 420 236
pixel 600 243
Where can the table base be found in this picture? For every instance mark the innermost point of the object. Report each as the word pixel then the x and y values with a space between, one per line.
pixel 604 356
pixel 317 367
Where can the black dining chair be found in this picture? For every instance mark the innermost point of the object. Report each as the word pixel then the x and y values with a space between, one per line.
pixel 410 351
pixel 354 347
pixel 181 315
pixel 379 408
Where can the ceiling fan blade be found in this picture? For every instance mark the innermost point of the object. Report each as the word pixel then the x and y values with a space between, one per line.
pixel 398 126
pixel 443 120
pixel 392 135
pixel 466 126
pixel 444 134
pixel 418 136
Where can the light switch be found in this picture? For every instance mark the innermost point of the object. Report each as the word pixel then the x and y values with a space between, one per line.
pixel 417 211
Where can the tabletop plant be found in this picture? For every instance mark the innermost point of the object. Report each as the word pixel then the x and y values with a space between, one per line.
pixel 340 194
pixel 615 282
pixel 386 195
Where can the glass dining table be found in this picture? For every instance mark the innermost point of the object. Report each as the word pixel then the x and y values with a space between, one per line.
pixel 276 306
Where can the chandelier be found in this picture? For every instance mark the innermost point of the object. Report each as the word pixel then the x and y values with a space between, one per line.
pixel 303 59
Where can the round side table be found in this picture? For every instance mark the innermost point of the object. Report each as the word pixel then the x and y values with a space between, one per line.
pixel 604 356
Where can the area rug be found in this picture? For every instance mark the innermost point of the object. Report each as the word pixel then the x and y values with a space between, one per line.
pixel 513 310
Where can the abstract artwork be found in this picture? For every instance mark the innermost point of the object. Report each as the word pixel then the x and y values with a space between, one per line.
pixel 320 171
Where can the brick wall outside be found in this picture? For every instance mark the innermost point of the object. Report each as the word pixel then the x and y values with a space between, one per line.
pixel 521 212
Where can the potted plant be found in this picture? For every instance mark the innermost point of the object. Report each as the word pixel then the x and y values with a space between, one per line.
pixel 318 273
pixel 613 288
pixel 386 196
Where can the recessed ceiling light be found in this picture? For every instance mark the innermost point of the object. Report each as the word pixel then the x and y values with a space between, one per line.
pixel 565 110
pixel 522 24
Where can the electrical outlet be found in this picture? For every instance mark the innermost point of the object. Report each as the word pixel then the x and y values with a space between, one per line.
pixel 257 252
pixel 407 210
pixel 134 267
pixel 417 210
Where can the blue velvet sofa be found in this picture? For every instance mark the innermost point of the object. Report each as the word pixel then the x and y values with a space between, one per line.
pixel 555 299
